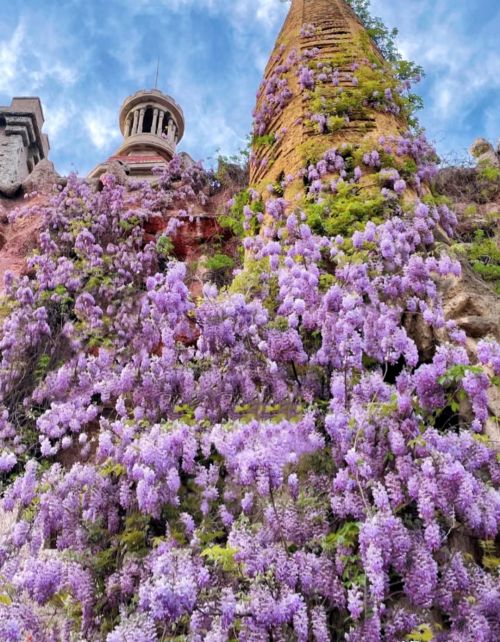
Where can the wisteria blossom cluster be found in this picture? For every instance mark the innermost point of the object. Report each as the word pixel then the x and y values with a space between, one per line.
pixel 275 93
pixel 275 462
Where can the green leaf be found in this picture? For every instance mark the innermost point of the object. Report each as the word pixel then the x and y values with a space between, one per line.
pixel 346 536
pixel 113 468
pixel 164 246
pixel 421 634
pixel 219 262
pixel 221 556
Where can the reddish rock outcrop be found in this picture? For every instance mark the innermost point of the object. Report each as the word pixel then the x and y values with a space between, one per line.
pixel 17 238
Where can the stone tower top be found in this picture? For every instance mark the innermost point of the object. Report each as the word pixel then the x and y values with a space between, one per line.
pixel 152 125
pixel 22 143
pixel 151 120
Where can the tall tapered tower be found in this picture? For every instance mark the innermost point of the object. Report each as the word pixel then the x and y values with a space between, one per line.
pixel 326 83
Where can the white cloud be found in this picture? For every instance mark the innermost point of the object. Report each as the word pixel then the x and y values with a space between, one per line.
pixel 101 127
pixel 10 52
pixel 28 62
pixel 460 55
pixel 238 12
pixel 59 119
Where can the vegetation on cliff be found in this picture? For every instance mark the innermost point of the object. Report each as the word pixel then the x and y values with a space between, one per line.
pixel 272 461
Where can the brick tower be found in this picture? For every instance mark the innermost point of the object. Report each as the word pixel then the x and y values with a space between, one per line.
pixel 316 95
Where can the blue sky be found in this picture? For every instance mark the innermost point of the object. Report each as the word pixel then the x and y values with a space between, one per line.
pixel 83 57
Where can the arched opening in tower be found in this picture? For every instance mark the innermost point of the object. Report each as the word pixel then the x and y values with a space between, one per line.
pixel 148 121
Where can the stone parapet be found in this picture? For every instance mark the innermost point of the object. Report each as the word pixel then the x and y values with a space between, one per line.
pixel 147 143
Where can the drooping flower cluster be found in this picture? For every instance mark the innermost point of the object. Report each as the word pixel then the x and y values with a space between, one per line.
pixel 275 461
pixel 276 93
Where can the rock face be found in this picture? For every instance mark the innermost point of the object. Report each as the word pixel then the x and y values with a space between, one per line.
pixel 17 238
pixel 475 197
pixel 119 171
pixel 476 310
pixel 42 178
pixel 472 305
pixel 483 151
pixel 13 164
pixel 3 213
pixel 471 301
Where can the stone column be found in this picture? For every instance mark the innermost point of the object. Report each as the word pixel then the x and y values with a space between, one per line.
pixel 128 126
pixel 171 131
pixel 160 123
pixel 155 121
pixel 141 120
pixel 136 122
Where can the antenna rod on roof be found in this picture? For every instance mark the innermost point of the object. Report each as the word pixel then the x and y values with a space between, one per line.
pixel 157 73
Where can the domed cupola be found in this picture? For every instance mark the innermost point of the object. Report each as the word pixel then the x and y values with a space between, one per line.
pixel 151 120
pixel 152 124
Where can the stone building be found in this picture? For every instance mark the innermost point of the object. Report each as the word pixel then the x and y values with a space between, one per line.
pixel 152 124
pixel 22 143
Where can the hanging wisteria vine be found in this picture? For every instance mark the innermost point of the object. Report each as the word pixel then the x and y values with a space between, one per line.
pixel 274 461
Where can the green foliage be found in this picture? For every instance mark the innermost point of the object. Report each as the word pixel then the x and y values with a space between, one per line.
pixel 339 104
pixel 6 307
pixel 267 140
pixel 326 281
pixel 345 212
pixel 451 381
pixel 233 220
pixel 133 539
pixel 335 123
pixel 455 374
pixel 220 268
pixel 279 323
pixel 128 225
pixel 112 468
pixel 312 150
pixel 488 172
pixel 471 210
pixel 42 367
pixel 346 536
pixel 232 171
pixel 165 246
pixel 65 601
pixel 186 414
pixel 484 254
pixel 249 282
pixel 221 557
pixel 421 634
pixel 219 262
pixel 491 560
